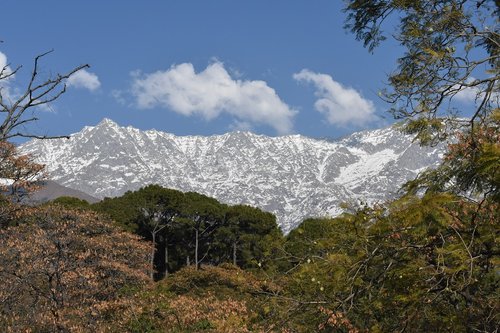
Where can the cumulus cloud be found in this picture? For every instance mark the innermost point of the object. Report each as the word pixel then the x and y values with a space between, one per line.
pixel 5 88
pixel 3 62
pixel 84 79
pixel 472 95
pixel 211 93
pixel 466 94
pixel 341 105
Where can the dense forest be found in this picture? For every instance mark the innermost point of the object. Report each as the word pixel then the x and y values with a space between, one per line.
pixel 160 260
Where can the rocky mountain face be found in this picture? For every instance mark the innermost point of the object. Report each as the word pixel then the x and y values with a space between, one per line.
pixel 292 176
pixel 50 190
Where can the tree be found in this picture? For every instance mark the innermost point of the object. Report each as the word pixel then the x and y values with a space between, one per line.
pixel 187 228
pixel 416 264
pixel 149 212
pixel 203 215
pixel 452 48
pixel 19 176
pixel 247 236
pixel 320 261
pixel 159 208
pixel 71 202
pixel 18 110
pixel 20 171
pixel 63 269
pixel 313 238
pixel 221 298
pixel 427 260
pixel 122 209
pixel 471 166
pixel 38 92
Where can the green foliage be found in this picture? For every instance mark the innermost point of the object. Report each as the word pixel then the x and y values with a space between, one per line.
pixel 128 210
pixel 450 46
pixel 318 258
pixel 193 228
pixel 202 216
pixel 418 264
pixel 150 212
pixel 71 202
pixel 314 237
pixel 248 237
pixel 471 165
pixel 201 207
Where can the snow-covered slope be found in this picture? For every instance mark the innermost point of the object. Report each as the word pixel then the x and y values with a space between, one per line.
pixel 292 176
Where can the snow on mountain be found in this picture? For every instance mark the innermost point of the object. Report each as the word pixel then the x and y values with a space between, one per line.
pixel 292 176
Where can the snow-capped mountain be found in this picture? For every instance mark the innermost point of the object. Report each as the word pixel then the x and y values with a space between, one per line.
pixel 292 176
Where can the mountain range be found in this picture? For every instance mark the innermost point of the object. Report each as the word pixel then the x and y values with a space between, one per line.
pixel 292 176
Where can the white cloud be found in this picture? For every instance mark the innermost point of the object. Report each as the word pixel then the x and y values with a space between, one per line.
pixel 466 94
pixel 341 105
pixel 5 88
pixel 472 95
pixel 84 79
pixel 118 96
pixel 3 62
pixel 210 93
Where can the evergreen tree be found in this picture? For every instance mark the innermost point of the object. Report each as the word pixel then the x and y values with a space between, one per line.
pixel 247 237
pixel 150 212
pixel 203 215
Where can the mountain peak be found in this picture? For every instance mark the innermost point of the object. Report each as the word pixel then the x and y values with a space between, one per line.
pixel 106 122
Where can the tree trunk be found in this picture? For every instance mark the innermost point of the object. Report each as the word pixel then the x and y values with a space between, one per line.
pixel 166 256
pixel 234 253
pixel 153 252
pixel 196 249
pixel 188 262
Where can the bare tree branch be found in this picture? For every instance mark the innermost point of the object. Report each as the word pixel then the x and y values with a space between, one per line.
pixel 37 92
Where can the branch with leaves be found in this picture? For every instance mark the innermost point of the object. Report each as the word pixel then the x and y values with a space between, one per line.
pixel 452 48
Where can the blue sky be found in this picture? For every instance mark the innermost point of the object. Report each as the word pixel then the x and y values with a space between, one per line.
pixel 200 67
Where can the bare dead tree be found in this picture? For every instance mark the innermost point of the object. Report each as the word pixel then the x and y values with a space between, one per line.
pixel 14 110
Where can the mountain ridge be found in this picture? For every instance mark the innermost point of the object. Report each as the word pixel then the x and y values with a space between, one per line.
pixel 292 176
pixel 50 190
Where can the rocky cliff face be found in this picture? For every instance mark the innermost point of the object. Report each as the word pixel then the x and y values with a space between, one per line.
pixel 292 176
